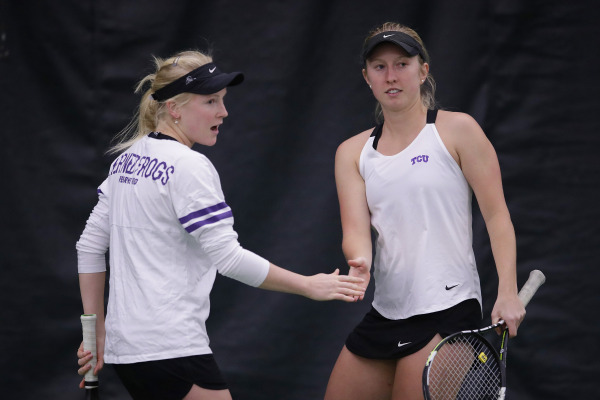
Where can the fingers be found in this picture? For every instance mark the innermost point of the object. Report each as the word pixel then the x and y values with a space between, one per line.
pixel 84 362
pixel 99 365
pixel 84 358
pixel 513 326
pixel 85 368
pixel 80 351
pixel 82 384
pixel 350 279
pixel 351 290
pixel 346 298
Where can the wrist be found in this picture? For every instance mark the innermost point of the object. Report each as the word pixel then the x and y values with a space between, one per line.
pixel 305 286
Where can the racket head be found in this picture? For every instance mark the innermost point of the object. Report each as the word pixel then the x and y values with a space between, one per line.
pixel 464 366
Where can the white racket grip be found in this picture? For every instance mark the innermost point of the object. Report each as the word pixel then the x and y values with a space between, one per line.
pixel 536 279
pixel 88 324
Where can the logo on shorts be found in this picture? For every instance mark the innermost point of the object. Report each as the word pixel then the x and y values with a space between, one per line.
pixel 450 287
pixel 400 344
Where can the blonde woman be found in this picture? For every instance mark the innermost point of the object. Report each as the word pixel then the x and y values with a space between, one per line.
pixel 162 213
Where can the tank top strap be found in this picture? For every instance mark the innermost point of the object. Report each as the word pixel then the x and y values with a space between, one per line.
pixel 431 116
pixel 377 134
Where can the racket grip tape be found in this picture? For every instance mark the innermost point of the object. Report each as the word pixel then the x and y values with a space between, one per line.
pixel 88 324
pixel 535 280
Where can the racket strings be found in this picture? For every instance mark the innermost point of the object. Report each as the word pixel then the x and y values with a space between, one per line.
pixel 465 369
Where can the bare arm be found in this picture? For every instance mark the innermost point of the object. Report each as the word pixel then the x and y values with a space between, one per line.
pixel 356 243
pixel 480 166
pixel 317 287
pixel 354 211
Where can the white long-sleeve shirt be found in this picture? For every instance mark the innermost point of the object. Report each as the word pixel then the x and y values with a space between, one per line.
pixel 162 213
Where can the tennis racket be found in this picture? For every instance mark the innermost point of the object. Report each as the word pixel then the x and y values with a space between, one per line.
pixel 465 365
pixel 88 324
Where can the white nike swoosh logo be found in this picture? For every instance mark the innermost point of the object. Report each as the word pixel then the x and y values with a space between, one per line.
pixel 400 344
pixel 387 36
pixel 211 70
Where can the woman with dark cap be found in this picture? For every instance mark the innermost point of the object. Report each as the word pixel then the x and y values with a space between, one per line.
pixel 410 180
pixel 162 212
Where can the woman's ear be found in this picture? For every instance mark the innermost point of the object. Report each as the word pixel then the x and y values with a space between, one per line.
pixel 424 71
pixel 173 109
pixel 364 72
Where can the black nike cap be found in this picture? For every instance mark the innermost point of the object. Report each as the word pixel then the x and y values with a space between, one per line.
pixel 207 79
pixel 401 39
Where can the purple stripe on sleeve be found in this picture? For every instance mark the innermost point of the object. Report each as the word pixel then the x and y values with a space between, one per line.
pixel 200 213
pixel 191 228
pixel 99 191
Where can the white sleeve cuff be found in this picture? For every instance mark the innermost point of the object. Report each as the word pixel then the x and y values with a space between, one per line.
pixel 245 266
pixel 88 263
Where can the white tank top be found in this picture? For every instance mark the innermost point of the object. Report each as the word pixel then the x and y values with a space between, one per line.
pixel 420 204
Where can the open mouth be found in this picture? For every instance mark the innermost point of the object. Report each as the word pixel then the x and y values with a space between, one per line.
pixel 393 91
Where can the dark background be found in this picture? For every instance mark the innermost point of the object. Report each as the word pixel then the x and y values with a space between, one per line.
pixel 526 70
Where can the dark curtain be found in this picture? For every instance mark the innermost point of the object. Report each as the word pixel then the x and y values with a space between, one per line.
pixel 526 70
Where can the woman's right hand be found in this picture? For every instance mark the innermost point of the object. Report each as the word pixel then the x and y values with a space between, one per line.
pixel 359 268
pixel 84 357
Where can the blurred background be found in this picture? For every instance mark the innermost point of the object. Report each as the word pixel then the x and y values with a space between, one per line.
pixel 528 71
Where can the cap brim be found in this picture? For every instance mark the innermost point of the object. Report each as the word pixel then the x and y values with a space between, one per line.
pixel 410 50
pixel 220 82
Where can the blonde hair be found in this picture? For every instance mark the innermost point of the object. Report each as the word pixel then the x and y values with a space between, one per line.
pixel 428 87
pixel 150 111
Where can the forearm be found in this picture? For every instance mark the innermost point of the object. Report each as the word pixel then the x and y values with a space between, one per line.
pixel 91 286
pixel 504 250
pixel 356 246
pixel 282 280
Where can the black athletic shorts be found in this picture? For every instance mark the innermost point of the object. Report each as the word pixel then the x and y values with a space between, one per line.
pixel 377 337
pixel 170 379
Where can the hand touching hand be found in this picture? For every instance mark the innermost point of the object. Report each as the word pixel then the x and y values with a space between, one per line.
pixel 360 269
pixel 334 287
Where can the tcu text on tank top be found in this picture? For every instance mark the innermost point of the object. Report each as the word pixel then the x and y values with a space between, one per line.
pixel 420 204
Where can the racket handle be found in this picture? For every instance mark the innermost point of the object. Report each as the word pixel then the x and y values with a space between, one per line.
pixel 536 279
pixel 88 324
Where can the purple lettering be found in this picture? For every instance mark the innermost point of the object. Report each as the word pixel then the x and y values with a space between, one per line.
pixel 131 163
pixel 151 167
pixel 167 176
pixel 158 171
pixel 144 162
pixel 118 163
pixel 420 158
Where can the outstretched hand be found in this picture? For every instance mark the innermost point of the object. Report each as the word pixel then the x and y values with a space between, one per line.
pixel 84 358
pixel 360 269
pixel 335 287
